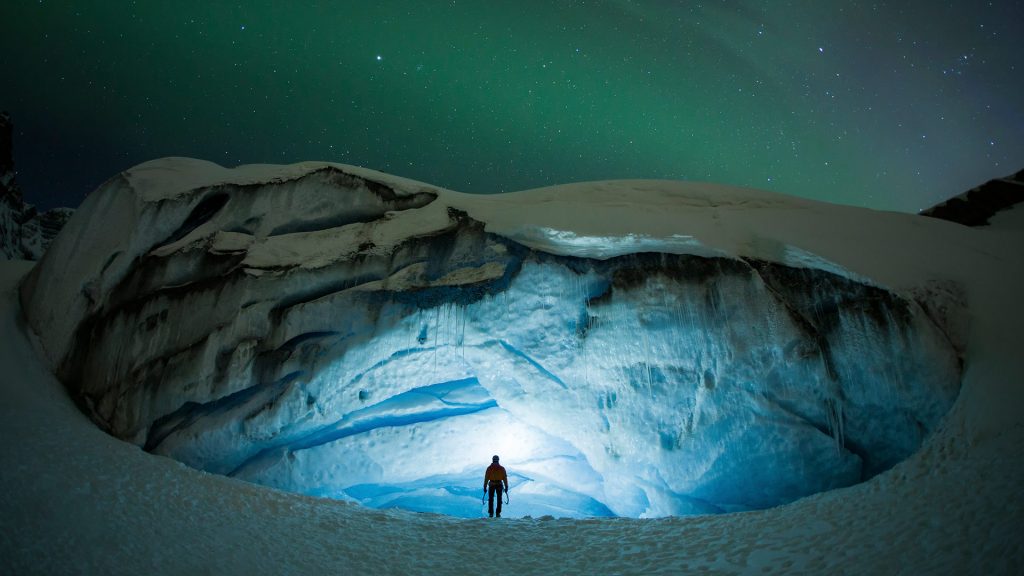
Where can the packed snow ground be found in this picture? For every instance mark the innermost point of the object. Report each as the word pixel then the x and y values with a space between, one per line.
pixel 75 500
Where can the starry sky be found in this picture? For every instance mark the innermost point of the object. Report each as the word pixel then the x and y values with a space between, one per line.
pixel 889 105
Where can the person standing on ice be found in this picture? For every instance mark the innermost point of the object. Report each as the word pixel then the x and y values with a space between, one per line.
pixel 495 480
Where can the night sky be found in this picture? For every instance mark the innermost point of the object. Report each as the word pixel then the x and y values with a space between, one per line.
pixel 891 105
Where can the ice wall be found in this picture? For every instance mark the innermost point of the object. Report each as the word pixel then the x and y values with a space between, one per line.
pixel 340 335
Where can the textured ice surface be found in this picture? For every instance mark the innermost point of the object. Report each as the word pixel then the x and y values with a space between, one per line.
pixel 345 334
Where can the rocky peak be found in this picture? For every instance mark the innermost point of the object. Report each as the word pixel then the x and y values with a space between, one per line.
pixel 25 233
pixel 979 204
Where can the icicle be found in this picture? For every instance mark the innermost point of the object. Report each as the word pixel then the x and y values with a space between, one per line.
pixel 446 314
pixel 414 330
pixel 451 323
pixel 462 333
pixel 647 362
pixel 834 413
pixel 437 328
pixel 504 304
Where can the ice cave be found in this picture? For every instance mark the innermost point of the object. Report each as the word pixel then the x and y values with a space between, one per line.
pixel 337 332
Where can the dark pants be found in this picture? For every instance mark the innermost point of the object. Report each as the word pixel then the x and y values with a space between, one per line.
pixel 492 489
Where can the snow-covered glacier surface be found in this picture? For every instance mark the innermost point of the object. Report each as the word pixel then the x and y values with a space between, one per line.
pixel 339 332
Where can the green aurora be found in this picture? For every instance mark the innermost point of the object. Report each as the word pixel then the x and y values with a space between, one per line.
pixel 888 105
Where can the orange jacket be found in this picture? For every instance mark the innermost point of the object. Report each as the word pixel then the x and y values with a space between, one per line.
pixel 496 473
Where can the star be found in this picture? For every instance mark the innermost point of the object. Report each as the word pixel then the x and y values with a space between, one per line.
pixel 593 91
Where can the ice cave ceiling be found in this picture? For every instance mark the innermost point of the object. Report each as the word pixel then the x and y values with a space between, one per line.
pixel 334 335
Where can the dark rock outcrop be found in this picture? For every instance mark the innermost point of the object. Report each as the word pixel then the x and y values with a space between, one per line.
pixel 978 205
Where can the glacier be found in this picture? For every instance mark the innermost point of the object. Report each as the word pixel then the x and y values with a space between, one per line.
pixel 338 332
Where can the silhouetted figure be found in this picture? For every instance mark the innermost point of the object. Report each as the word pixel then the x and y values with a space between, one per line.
pixel 495 480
